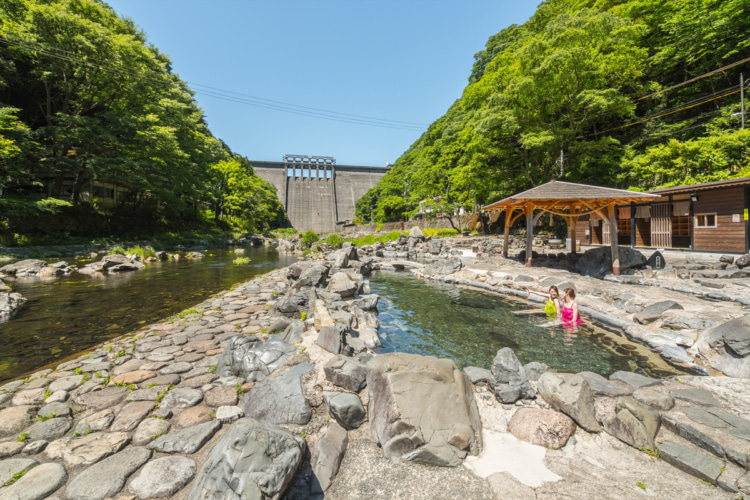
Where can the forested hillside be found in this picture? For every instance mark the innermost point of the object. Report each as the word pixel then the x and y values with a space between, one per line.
pixel 98 137
pixel 587 91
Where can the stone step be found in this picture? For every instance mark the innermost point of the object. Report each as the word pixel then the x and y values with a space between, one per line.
pixel 696 463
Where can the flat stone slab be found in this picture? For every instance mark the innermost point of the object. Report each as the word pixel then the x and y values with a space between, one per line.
pixel 696 463
pixel 599 385
pixel 703 417
pixel 99 400
pixel 15 419
pixel 13 466
pixel 182 397
pixel 186 441
pixel 36 484
pixel 176 368
pixel 279 400
pixel 96 422
pixel 163 477
pixel 150 429
pixel 131 415
pixel 49 429
pixel 729 418
pixel 653 398
pixel 106 479
pixel 697 396
pixel 87 450
pixel 634 379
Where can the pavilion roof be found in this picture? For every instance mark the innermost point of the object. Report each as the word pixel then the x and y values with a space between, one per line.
pixel 558 194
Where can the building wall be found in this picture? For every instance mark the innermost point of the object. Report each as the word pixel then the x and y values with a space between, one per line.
pixel 727 236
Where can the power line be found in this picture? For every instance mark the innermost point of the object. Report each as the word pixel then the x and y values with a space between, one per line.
pixel 223 94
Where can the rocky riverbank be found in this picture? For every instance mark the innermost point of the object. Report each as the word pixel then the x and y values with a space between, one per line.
pixel 275 389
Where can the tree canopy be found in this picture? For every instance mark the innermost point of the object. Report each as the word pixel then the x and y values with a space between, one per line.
pixel 583 92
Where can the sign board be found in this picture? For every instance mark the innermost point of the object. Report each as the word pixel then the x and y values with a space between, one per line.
pixel 587 232
pixel 746 214
pixel 735 217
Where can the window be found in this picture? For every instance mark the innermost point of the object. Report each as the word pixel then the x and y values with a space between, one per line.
pixel 705 220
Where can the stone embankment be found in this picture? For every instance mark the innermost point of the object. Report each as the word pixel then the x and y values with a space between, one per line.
pixel 275 389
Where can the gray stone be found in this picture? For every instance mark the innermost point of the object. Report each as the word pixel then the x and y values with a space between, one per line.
pixel 131 415
pixel 674 354
pixel 654 399
pixel 633 424
pixel 332 338
pixel 106 478
pixel 703 417
pixel 597 262
pixel 342 284
pixel 345 408
pixel 181 397
pixel 162 477
pixel 36 484
pixel 535 369
pixel 95 422
pixel 599 385
pixel 422 409
pixel 99 400
pixel 251 360
pixel 180 367
pixel 293 304
pixel 253 460
pixel 34 447
pixel 347 373
pixel 541 427
pixel 571 395
pixel 480 376
pixel 367 302
pixel 634 379
pixel 16 418
pixel 729 418
pixel 49 429
pixel 442 267
pixel 313 276
pixel 186 441
pixel 13 466
pixel 693 462
pixel 684 323
pixel 697 396
pixel 26 267
pixel 66 383
pixel 229 414
pixel 55 410
pixel 511 382
pixel 654 311
pixel 88 449
pixel 148 430
pixel 291 334
pixel 279 400
pixel 327 455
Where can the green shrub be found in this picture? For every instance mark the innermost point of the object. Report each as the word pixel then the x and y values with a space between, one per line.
pixel 143 252
pixel 242 261
pixel 334 240
pixel 309 238
pixel 117 250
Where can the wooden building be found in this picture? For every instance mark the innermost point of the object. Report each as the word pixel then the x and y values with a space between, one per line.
pixel 710 217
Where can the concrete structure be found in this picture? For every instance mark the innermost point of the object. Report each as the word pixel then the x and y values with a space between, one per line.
pixel 317 193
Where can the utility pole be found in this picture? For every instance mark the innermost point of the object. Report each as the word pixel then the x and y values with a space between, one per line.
pixel 562 158
pixel 742 100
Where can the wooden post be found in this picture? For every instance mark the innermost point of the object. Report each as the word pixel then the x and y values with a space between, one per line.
pixel 613 239
pixel 506 231
pixel 529 233
pixel 573 231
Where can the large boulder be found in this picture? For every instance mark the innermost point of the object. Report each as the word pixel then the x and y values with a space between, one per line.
pixel 252 360
pixel 541 427
pixel 741 261
pixel 295 270
pixel 634 424
pixel 571 395
pixel 10 302
pixel 511 382
pixel 725 347
pixel 345 407
pixel 442 268
pixel 327 455
pixel 367 328
pixel 293 304
pixel 253 461
pixel 314 275
pixel 654 311
pixel 342 284
pixel 27 267
pixel 279 400
pixel 597 262
pixel 422 409
pixel 348 373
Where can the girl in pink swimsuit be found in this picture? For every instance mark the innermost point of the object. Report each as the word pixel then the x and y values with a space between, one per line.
pixel 570 315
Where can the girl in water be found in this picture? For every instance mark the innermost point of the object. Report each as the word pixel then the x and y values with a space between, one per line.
pixel 570 316
pixel 551 308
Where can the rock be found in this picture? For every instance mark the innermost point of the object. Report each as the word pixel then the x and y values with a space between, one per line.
pixel 163 477
pixel 251 360
pixel 571 395
pixel 10 302
pixel 600 386
pixel 535 369
pixel 49 429
pixel 674 354
pixel 342 284
pixel 654 399
pixel 228 414
pixel 55 409
pixel 36 484
pixel 253 460
pixel 416 233
pixel 546 428
pixel 30 397
pixel 313 276
pixel 332 339
pixel 653 312
pixel 685 323
pixel 134 377
pixel 279 400
pixel 180 367
pixel 633 424
pixel 15 419
pixel 95 422
pixel 422 409
pixel 192 416
pixel 697 396
pixel 106 479
pixel 345 408
pixel 511 382
pixel 186 441
pixel 741 261
pixel 17 465
pixel 148 430
pixel 347 373
pixel 131 415
pixel 656 261
pixel 725 347
pixel 696 463
pixel 292 333
pixel 27 267
pixel 597 262
pixel 634 379
pixel 8 449
pixel 182 397
pixel 221 396
pixel 367 302
pixel 480 376
pixel 293 304
pixel 87 450
pixel 98 400
pixel 34 447
pixel 442 267
pixel 327 456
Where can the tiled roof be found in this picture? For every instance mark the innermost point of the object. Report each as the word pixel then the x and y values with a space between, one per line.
pixel 741 181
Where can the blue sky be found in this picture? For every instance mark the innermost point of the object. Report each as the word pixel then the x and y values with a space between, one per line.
pixel 404 61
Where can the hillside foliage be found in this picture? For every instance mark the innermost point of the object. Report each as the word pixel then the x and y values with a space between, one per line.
pixel 558 98
pixel 86 101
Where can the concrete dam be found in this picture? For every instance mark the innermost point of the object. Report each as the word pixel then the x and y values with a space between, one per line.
pixel 317 193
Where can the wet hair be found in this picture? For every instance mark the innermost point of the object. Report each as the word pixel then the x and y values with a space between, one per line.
pixel 570 293
pixel 553 287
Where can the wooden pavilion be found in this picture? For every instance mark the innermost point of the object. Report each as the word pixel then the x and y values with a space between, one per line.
pixel 570 201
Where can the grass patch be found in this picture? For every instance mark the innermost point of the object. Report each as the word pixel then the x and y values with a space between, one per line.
pixel 334 240
pixel 241 261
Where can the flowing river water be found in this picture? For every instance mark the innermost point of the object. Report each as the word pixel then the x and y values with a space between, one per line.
pixel 68 315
